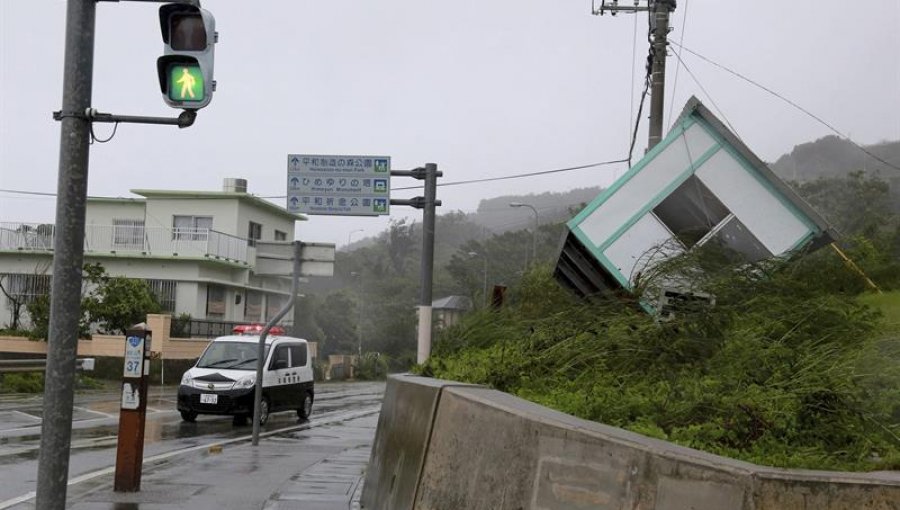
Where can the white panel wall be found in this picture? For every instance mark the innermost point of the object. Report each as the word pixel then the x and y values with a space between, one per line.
pixel 634 247
pixel 270 222
pixel 104 212
pixel 754 204
pixel 223 211
pixel 646 185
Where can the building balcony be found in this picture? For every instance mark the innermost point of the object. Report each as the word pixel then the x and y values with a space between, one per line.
pixel 131 240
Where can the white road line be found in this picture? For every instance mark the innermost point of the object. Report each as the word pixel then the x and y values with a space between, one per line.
pixel 33 417
pixel 83 409
pixel 163 456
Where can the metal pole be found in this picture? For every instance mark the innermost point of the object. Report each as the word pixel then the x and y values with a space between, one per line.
pixel 658 76
pixel 68 257
pixel 484 291
pixel 428 221
pixel 261 352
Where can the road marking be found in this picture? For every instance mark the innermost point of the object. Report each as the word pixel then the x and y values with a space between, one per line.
pixel 163 456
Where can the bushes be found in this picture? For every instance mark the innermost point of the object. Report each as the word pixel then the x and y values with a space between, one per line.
pixel 785 370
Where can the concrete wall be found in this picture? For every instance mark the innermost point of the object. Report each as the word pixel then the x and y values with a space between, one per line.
pixel 442 446
pixel 114 345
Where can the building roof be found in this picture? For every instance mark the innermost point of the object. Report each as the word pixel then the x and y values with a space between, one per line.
pixel 452 303
pixel 213 195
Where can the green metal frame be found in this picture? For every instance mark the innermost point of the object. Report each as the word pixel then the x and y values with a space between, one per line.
pixel 686 123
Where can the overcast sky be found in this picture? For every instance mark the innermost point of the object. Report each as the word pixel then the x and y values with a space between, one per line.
pixel 482 88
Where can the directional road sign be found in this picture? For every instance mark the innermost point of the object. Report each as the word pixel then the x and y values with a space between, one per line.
pixel 339 185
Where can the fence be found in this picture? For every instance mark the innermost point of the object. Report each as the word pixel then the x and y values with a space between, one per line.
pixel 131 238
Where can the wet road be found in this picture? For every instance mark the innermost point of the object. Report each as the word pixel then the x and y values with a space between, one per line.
pixel 95 424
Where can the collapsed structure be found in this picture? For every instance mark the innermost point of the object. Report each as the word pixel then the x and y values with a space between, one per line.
pixel 699 185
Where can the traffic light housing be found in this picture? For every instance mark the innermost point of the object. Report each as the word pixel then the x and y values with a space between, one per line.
pixel 186 68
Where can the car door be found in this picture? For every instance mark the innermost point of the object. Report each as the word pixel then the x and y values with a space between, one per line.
pixel 299 365
pixel 278 380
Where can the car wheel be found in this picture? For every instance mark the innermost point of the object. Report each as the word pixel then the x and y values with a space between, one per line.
pixel 304 412
pixel 239 420
pixel 263 411
pixel 190 416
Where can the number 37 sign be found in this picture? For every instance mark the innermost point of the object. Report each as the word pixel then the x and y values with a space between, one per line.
pixel 134 356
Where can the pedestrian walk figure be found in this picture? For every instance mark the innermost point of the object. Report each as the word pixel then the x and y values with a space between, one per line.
pixel 187 83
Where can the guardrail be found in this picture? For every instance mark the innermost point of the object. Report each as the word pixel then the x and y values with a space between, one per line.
pixel 39 365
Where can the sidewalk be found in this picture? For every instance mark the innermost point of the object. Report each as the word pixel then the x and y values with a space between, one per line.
pixel 319 468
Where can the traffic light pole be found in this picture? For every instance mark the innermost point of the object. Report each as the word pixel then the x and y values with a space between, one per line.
pixel 75 117
pixel 427 203
pixel 68 258
pixel 185 119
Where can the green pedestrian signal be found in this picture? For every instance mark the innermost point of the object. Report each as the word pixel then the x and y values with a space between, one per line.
pixel 185 70
pixel 186 83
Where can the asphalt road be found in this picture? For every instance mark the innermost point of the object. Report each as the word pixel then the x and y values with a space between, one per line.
pixel 95 424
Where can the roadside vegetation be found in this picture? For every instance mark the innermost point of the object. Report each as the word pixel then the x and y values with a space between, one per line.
pixel 782 371
pixel 797 364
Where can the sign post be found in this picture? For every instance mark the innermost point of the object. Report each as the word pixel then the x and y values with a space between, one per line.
pixel 133 410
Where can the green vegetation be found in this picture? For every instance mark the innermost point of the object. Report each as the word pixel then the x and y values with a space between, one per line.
pixel 33 382
pixel 782 371
pixel 113 303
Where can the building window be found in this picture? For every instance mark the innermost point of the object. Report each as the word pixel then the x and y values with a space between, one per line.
pixel 191 228
pixel 691 211
pixel 215 301
pixel 26 288
pixel 165 292
pixel 254 233
pixel 253 306
pixel 280 236
pixel 128 233
pixel 273 305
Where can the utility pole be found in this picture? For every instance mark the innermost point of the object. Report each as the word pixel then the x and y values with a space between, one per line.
pixel 658 74
pixel 68 257
pixel 659 31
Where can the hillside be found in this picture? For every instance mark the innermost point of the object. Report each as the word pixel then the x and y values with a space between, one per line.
pixel 836 157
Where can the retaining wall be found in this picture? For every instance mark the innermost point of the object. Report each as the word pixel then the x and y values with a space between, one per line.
pixel 443 446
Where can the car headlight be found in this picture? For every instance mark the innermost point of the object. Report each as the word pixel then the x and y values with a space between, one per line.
pixel 186 379
pixel 246 382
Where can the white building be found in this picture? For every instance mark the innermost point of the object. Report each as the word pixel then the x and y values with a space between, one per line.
pixel 194 248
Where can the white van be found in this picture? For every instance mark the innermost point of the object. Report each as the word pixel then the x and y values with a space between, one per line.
pixel 223 380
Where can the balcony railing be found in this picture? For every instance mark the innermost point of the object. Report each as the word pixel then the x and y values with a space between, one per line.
pixel 131 239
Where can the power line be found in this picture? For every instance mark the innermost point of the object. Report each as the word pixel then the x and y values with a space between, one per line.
pixel 454 183
pixel 518 176
pixel 788 101
pixel 678 66
pixel 711 100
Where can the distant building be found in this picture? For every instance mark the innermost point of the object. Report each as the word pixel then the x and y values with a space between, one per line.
pixel 447 311
pixel 196 250
pixel 699 185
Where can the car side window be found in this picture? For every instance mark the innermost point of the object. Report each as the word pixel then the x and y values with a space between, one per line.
pixel 280 358
pixel 298 355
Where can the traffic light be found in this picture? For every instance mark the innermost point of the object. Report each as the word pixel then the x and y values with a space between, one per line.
pixel 186 68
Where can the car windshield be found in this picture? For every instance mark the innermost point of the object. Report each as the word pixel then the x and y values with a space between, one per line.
pixel 233 355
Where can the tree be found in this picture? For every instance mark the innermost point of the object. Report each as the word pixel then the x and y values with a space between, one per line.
pixel 21 289
pixel 116 303
pixel 113 303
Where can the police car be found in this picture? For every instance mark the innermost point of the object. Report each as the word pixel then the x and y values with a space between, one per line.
pixel 223 381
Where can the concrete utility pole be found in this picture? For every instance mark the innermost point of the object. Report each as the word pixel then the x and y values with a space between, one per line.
pixel 428 221
pixel 659 30
pixel 658 74
pixel 68 257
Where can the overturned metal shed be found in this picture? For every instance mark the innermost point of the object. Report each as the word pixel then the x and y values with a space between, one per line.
pixel 700 184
